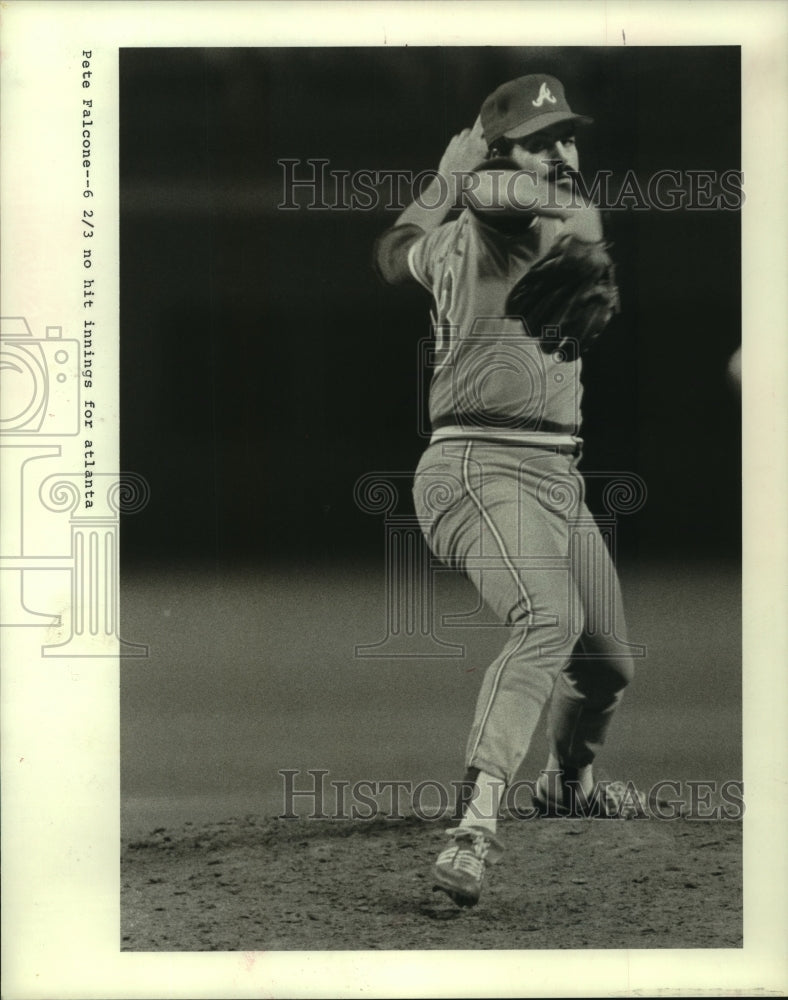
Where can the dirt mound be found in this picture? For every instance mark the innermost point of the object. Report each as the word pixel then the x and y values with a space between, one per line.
pixel 266 884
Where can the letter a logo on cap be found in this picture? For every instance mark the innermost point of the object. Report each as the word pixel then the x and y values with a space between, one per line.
pixel 544 95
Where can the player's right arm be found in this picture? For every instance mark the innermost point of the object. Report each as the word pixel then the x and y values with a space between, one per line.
pixel 464 152
pixel 491 190
pixel 495 191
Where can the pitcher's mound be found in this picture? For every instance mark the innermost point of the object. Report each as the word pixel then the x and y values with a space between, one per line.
pixel 257 884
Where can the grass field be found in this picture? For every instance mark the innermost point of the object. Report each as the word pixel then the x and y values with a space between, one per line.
pixel 250 673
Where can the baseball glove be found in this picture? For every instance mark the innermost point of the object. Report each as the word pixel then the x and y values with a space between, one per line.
pixel 569 295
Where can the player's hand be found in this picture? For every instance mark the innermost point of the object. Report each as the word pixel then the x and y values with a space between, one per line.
pixel 465 151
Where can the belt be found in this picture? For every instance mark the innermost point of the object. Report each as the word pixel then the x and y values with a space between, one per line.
pixel 502 435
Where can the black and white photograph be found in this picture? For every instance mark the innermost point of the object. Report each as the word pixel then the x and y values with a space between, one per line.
pixel 327 381
pixel 406 476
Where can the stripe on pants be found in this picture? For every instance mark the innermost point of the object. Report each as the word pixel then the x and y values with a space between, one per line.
pixel 520 587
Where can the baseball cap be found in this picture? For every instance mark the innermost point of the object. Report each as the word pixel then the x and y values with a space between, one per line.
pixel 526 105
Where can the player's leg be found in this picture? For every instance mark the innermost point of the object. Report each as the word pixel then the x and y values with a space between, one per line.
pixel 514 547
pixel 515 550
pixel 515 688
pixel 590 687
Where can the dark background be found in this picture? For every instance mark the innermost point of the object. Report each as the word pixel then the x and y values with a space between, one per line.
pixel 263 366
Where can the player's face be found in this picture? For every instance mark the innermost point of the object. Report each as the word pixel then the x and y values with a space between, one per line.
pixel 551 154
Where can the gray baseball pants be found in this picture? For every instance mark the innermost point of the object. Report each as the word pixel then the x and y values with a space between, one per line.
pixel 513 519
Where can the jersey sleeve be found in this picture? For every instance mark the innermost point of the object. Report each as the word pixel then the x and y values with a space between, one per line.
pixel 409 252
pixel 390 253
pixel 425 253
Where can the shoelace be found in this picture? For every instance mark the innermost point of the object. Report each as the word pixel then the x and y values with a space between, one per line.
pixel 467 853
pixel 463 859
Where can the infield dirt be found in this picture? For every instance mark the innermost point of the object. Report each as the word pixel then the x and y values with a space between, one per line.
pixel 257 884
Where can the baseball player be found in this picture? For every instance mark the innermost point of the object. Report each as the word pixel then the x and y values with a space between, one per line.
pixel 522 284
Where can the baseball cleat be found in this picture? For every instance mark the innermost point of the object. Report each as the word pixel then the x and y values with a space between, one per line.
pixel 459 870
pixel 620 800
pixel 562 797
pixel 607 800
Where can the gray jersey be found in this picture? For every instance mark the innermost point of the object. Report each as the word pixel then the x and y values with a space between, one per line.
pixel 490 371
